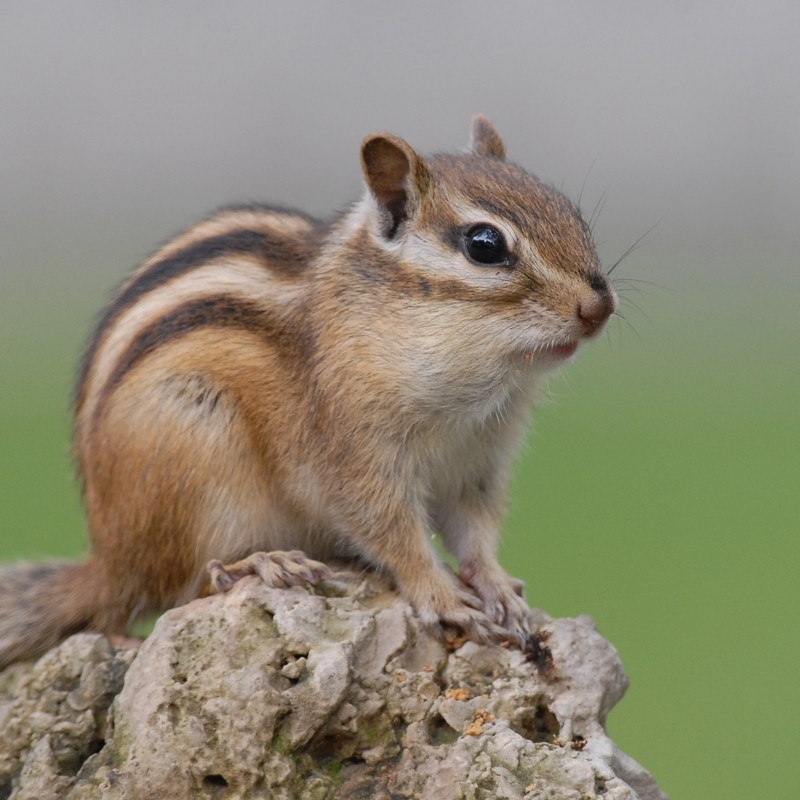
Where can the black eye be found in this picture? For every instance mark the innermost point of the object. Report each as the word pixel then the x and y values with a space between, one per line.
pixel 486 245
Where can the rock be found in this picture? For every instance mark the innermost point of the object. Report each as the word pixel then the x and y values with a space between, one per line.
pixel 339 693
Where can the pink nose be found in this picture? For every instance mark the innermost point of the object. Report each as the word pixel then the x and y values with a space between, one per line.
pixel 594 309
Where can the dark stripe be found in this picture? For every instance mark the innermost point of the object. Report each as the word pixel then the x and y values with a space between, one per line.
pixel 284 256
pixel 374 267
pixel 221 311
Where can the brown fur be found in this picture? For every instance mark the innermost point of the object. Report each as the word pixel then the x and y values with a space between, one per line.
pixel 267 382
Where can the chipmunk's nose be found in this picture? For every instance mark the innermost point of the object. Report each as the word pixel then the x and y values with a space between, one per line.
pixel 595 307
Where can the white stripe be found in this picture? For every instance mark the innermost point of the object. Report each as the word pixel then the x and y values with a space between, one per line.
pixel 241 278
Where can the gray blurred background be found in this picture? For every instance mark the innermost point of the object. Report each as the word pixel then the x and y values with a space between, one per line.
pixel 122 122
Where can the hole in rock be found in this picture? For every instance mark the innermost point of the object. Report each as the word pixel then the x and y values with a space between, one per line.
pixel 215 782
pixel 537 724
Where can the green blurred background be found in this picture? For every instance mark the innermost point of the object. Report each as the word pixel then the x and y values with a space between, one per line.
pixel 658 492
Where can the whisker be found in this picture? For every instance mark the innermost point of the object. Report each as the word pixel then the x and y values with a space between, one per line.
pixel 628 301
pixel 624 291
pixel 619 280
pixel 624 319
pixel 635 246
pixel 597 211
pixel 586 178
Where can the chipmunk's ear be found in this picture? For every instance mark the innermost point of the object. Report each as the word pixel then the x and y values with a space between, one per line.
pixel 484 138
pixel 396 176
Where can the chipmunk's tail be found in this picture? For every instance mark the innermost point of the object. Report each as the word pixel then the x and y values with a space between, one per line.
pixel 41 604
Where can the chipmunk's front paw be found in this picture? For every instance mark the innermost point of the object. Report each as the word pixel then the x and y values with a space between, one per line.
pixel 502 600
pixel 278 568
pixel 449 602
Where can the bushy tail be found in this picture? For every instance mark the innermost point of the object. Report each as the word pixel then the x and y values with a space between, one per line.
pixel 41 604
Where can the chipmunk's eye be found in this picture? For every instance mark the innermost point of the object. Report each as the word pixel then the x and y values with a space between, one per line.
pixel 486 245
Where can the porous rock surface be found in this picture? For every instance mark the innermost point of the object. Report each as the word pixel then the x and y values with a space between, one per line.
pixel 336 693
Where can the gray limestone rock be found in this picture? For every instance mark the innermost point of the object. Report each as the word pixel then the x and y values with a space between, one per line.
pixel 337 693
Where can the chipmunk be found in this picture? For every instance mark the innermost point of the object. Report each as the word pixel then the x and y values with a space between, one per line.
pixel 269 391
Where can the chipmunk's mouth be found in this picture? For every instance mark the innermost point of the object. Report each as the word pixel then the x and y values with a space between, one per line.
pixel 556 352
pixel 551 354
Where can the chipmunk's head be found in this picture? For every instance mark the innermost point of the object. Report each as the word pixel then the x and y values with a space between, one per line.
pixel 512 256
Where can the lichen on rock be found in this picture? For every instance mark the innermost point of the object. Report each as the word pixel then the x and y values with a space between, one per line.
pixel 333 693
